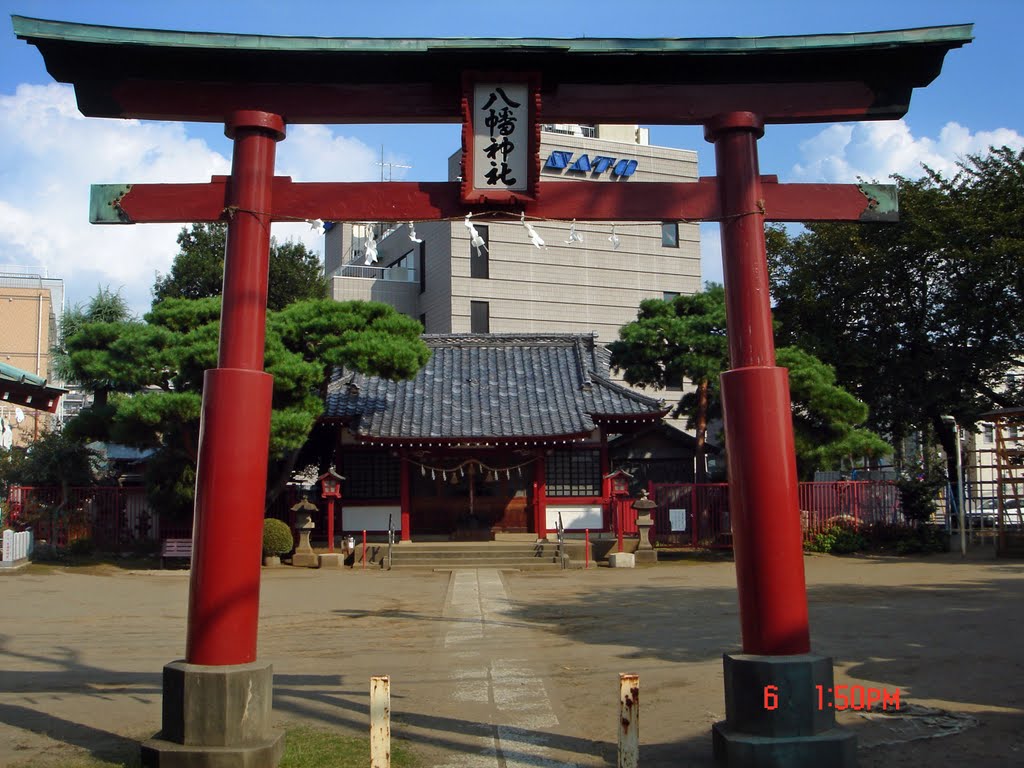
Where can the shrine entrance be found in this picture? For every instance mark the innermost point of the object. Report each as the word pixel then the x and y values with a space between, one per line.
pixel 499 90
pixel 472 501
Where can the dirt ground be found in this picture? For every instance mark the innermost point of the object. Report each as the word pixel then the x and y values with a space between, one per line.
pixel 522 668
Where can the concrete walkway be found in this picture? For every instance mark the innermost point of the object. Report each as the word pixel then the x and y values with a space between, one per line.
pixel 486 673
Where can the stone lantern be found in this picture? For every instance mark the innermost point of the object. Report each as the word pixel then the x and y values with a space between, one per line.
pixel 645 553
pixel 304 556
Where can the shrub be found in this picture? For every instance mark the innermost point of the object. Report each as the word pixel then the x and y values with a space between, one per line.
pixel 918 494
pixel 847 541
pixel 81 547
pixel 883 534
pixel 822 542
pixel 277 537
pixel 838 540
pixel 925 541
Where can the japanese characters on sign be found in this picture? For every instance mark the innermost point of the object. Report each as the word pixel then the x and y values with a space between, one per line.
pixel 501 131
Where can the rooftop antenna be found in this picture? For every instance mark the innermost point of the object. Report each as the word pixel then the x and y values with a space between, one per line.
pixel 390 166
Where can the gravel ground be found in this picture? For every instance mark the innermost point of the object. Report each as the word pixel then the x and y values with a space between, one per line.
pixel 512 668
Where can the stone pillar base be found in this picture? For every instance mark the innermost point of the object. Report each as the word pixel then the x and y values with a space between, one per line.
pixel 774 716
pixel 215 717
pixel 306 560
pixel 331 560
pixel 646 556
pixel 621 560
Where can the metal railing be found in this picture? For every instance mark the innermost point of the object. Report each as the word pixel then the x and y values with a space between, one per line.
pixel 392 274
pixel 391 541
pixel 698 514
pixel 587 131
pixel 560 542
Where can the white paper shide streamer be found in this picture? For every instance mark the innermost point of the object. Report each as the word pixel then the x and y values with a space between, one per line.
pixel 574 236
pixel 371 248
pixel 474 237
pixel 534 237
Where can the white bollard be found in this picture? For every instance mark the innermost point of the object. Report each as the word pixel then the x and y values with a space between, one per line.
pixel 629 721
pixel 380 721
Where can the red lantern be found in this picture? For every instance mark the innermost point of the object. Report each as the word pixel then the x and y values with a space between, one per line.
pixel 330 485
pixel 619 482
pixel 330 489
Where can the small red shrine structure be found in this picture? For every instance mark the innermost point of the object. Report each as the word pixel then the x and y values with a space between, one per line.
pixel 499 89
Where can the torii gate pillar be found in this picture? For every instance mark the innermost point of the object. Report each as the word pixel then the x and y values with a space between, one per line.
pixel 767 539
pixel 217 702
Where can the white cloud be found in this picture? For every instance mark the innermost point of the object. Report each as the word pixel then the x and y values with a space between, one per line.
pixel 314 153
pixel 50 154
pixel 875 150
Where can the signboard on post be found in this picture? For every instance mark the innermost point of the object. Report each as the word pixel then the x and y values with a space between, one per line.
pixel 500 137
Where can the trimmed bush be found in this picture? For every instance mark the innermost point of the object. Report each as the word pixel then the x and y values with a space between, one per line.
pixel 277 537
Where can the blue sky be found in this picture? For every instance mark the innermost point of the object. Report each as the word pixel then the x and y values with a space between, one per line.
pixel 49 154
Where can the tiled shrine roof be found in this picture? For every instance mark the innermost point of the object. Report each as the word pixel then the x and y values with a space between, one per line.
pixel 491 386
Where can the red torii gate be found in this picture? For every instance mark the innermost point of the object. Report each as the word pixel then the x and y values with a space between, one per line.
pixel 733 87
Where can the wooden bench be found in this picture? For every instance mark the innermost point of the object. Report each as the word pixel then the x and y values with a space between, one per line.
pixel 176 548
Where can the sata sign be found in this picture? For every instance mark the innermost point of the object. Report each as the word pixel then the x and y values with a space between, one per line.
pixel 561 160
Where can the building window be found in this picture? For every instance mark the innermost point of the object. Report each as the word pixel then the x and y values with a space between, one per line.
pixel 479 262
pixel 988 434
pixel 423 267
pixel 479 317
pixel 669 295
pixel 573 473
pixel 670 234
pixel 370 475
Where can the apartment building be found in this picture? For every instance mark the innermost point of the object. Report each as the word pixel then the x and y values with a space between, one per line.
pixel 31 304
pixel 587 277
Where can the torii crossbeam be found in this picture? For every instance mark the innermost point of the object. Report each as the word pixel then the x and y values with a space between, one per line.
pixel 733 87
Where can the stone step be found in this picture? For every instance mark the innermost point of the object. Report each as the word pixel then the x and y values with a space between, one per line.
pixel 522 555
pixel 510 564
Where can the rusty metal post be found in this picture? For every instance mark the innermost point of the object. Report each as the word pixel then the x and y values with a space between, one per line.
pixel 380 721
pixel 629 721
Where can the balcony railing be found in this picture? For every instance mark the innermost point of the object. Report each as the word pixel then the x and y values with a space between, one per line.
pixel 587 131
pixel 393 274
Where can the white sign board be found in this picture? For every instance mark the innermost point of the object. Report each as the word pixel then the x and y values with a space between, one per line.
pixel 677 519
pixel 501 130
pixel 576 517
pixel 370 518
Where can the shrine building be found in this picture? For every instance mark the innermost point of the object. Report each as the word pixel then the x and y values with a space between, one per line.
pixel 497 433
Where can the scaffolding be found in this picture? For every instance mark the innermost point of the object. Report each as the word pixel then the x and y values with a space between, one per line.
pixel 1006 468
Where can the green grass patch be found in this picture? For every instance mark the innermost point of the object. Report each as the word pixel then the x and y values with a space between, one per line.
pixel 307 747
pixel 304 747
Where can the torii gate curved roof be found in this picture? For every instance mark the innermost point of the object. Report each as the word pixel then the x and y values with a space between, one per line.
pixel 201 76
